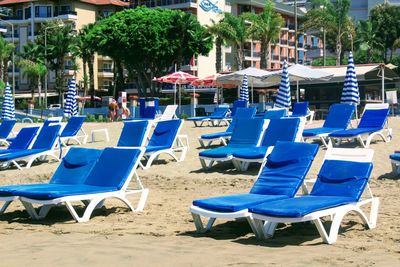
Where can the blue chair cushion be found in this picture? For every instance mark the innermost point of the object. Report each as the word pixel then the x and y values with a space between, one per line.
pixel 232 203
pixel 321 130
pixel 20 154
pixel 216 135
pixel 132 133
pixel 354 132
pixel 395 156
pixel 275 114
pixel 73 126
pixel 280 130
pixel 53 191
pixel 374 118
pixel 339 116
pixel 221 152
pixel 299 206
pixel 300 109
pixel 198 118
pixel 165 132
pixel 24 138
pixel 6 127
pixel 250 152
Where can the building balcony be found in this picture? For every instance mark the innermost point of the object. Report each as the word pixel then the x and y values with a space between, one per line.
pixel 171 4
pixel 283 58
pixel 283 41
pixel 189 68
pixel 292 60
pixel 62 15
pixel 292 43
pixel 248 54
pixel 105 73
pixel 275 57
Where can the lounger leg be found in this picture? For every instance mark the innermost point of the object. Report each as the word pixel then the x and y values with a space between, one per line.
pixel 44 210
pixel 198 223
pixel 370 220
pixel 395 168
pixel 258 228
pixel 5 206
pixel 31 210
pixel 204 165
pixel 237 164
pixel 254 227
pixel 201 143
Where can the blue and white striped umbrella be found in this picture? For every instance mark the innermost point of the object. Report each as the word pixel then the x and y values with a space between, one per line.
pixel 283 99
pixel 71 107
pixel 244 90
pixel 350 93
pixel 8 111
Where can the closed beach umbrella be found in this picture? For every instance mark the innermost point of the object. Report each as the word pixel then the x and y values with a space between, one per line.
pixel 71 108
pixel 350 93
pixel 8 111
pixel 244 90
pixel 283 99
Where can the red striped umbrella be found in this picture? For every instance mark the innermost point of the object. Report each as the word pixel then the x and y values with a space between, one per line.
pixel 207 81
pixel 178 77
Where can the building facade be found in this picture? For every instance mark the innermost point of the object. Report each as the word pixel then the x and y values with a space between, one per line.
pixel 27 17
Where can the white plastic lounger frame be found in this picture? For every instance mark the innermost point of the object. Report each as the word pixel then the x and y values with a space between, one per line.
pixel 211 161
pixel 222 139
pixel 242 164
pixel 91 201
pixel 265 225
pixel 180 145
pixel 365 139
pixel 197 212
pixel 168 114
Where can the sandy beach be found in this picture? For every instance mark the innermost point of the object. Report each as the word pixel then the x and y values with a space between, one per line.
pixel 163 234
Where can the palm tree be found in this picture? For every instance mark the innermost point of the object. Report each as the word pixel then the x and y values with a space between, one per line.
pixel 366 39
pixel 265 27
pixel 218 31
pixel 34 71
pixel 333 18
pixel 232 29
pixel 6 50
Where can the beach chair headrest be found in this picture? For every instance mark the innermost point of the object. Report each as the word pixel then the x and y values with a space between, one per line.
pixel 24 138
pixel 133 133
pixel 275 113
pixel 300 109
pixel 342 178
pixel 73 126
pixel 285 153
pixel 165 132
pixel 374 118
pixel 339 116
pixel 284 129
pixel 76 165
pixel 247 131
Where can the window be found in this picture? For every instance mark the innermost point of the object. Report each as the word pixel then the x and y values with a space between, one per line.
pixel 62 10
pixel 43 11
pixel 107 67
pixel 27 13
pixel 106 13
pixel 18 13
pixel 107 84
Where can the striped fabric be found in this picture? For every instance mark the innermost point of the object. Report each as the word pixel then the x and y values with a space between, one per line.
pixel 283 99
pixel 216 97
pixel 244 90
pixel 8 111
pixel 71 108
pixel 350 94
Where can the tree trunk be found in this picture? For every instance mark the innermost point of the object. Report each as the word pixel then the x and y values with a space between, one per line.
pixel 1 70
pixel 264 56
pixel 91 78
pixel 39 81
pixel 218 52
pixel 240 57
pixel 120 77
pixel 338 50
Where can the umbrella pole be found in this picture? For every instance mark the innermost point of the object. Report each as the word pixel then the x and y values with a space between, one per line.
pixel 194 101
pixel 222 94
pixel 297 91
pixel 383 84
pixel 252 91
pixel 180 102
pixel 175 94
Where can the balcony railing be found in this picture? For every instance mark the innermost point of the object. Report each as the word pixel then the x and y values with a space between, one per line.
pixel 292 59
pixel 156 3
pixel 284 58
pixel 65 12
pixel 291 43
pixel 275 57
pixel 300 45
pixel 283 41
pixel 13 18
pixel 106 70
pixel 59 13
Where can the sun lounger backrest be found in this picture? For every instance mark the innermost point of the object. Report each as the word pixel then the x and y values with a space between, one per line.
pixel 342 178
pixel 52 120
pixel 275 113
pixel 24 138
pixel 47 137
pixel 300 109
pixel 241 113
pixel 73 126
pixel 219 112
pixel 247 132
pixel 76 165
pixel 6 127
pixel 374 118
pixel 339 116
pixel 114 167
pixel 284 129
pixel 165 132
pixel 169 113
pixel 133 133
pixel 238 104
pixel 285 169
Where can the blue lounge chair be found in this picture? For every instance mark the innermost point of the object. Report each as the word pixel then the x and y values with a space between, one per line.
pixel 285 129
pixel 280 177
pixel 300 109
pixel 71 130
pixel 108 178
pixel 73 170
pixel 395 159
pixel 22 141
pixel 238 104
pixel 246 133
pixel 338 119
pixel 223 137
pixel 166 140
pixel 336 192
pixel 374 121
pixel 215 118
pixel 134 133
pixel 6 128
pixel 275 113
pixel 44 146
